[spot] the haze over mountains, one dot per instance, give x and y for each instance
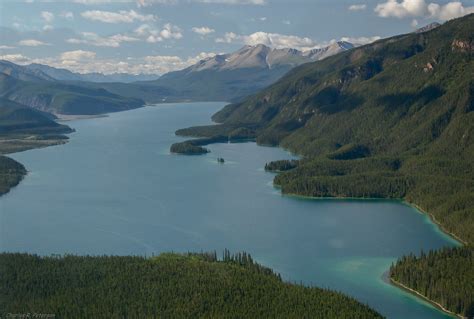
(225, 77)
(262, 56)
(66, 75)
(230, 77)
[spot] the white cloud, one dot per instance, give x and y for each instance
(47, 16)
(31, 43)
(116, 17)
(68, 15)
(360, 40)
(449, 11)
(6, 47)
(154, 35)
(405, 8)
(275, 40)
(86, 62)
(281, 41)
(94, 39)
(203, 30)
(414, 23)
(15, 58)
(171, 32)
(78, 55)
(419, 8)
(357, 7)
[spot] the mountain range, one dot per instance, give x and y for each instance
(230, 77)
(225, 77)
(66, 75)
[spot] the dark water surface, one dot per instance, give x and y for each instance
(115, 189)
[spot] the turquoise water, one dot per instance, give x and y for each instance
(115, 189)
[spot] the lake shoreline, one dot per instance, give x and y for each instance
(423, 297)
(401, 200)
(386, 275)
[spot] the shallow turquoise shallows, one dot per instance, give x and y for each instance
(115, 189)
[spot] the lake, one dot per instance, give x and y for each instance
(116, 189)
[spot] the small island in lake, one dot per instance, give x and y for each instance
(195, 146)
(188, 149)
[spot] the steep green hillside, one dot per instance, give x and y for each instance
(437, 272)
(19, 119)
(61, 98)
(168, 286)
(392, 119)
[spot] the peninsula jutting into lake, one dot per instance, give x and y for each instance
(335, 182)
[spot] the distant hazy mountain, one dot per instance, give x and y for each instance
(225, 77)
(261, 56)
(229, 77)
(66, 75)
(22, 73)
(35, 89)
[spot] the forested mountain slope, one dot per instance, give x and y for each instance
(167, 286)
(445, 276)
(391, 119)
(19, 119)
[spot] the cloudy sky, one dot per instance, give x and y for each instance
(157, 36)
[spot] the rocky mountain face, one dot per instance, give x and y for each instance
(232, 76)
(264, 57)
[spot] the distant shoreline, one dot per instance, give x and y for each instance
(66, 117)
(401, 200)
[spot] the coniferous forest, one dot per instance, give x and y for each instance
(167, 286)
(11, 173)
(445, 276)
